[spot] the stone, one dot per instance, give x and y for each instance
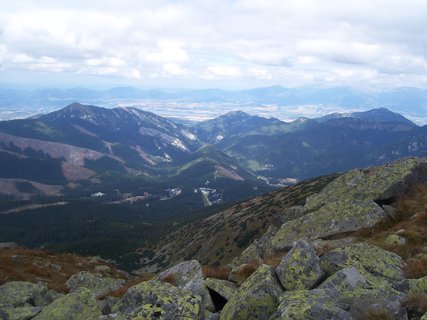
(98, 285)
(424, 317)
(22, 294)
(309, 305)
(102, 268)
(256, 298)
(300, 267)
(77, 305)
(159, 300)
(224, 288)
(378, 263)
(394, 240)
(188, 275)
(417, 285)
(19, 313)
(391, 211)
(347, 279)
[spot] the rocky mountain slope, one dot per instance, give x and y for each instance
(356, 249)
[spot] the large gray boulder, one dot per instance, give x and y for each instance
(95, 283)
(309, 305)
(158, 300)
(256, 298)
(300, 267)
(224, 288)
(188, 275)
(74, 306)
(22, 294)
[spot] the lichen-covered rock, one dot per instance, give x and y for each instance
(97, 284)
(377, 183)
(332, 218)
(379, 263)
(211, 316)
(188, 275)
(348, 279)
(256, 298)
(159, 300)
(22, 294)
(347, 203)
(19, 313)
(224, 288)
(394, 240)
(424, 317)
(357, 302)
(74, 306)
(300, 267)
(417, 285)
(309, 305)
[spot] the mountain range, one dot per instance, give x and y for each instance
(86, 148)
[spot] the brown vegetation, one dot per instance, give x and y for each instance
(217, 273)
(377, 313)
(22, 264)
(249, 268)
(416, 304)
(169, 278)
(416, 268)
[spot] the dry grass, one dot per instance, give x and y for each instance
(416, 268)
(273, 260)
(169, 278)
(217, 273)
(416, 304)
(22, 264)
(249, 268)
(324, 248)
(377, 313)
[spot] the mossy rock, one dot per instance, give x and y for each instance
(256, 298)
(19, 313)
(418, 285)
(188, 275)
(224, 288)
(22, 294)
(374, 263)
(94, 282)
(309, 305)
(300, 267)
(424, 317)
(74, 306)
(159, 300)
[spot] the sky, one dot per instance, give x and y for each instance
(214, 43)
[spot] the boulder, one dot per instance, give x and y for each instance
(378, 263)
(19, 313)
(300, 267)
(424, 317)
(159, 300)
(22, 294)
(95, 283)
(77, 305)
(188, 275)
(256, 298)
(347, 279)
(224, 288)
(309, 305)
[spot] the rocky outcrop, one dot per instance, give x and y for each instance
(224, 288)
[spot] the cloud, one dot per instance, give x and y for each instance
(286, 42)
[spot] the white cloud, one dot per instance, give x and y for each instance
(277, 41)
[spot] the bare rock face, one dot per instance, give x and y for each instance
(300, 268)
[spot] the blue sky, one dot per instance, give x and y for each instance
(226, 44)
